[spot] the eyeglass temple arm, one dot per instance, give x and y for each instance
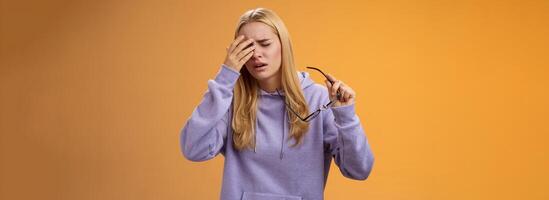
(311, 115)
(338, 96)
(314, 68)
(290, 108)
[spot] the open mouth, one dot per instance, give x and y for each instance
(260, 65)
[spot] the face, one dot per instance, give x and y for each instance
(266, 60)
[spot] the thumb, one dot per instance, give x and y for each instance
(331, 78)
(329, 85)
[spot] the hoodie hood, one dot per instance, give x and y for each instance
(304, 79)
(305, 82)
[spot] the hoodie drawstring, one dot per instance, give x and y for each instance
(305, 82)
(255, 137)
(283, 133)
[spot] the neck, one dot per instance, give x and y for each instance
(271, 84)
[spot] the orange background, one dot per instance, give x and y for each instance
(452, 94)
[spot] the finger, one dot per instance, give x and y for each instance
(331, 78)
(235, 42)
(349, 95)
(331, 90)
(245, 52)
(352, 93)
(335, 88)
(343, 93)
(329, 86)
(242, 45)
(246, 58)
(343, 90)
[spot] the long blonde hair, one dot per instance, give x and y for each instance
(246, 91)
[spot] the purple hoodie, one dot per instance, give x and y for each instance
(275, 169)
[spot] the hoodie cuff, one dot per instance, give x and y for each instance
(227, 75)
(344, 114)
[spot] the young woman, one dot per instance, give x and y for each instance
(260, 113)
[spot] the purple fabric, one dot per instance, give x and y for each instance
(275, 169)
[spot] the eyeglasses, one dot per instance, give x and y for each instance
(321, 108)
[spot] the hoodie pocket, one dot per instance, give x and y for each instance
(268, 196)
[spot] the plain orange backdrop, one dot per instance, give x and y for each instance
(453, 95)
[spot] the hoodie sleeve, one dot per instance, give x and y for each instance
(344, 138)
(205, 132)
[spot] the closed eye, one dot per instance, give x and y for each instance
(264, 42)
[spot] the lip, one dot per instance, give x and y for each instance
(260, 65)
(262, 68)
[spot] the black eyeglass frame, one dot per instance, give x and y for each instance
(322, 108)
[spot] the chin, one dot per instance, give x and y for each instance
(260, 75)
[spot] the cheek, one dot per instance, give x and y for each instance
(275, 54)
(249, 66)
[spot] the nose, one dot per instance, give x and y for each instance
(257, 53)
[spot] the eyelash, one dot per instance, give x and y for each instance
(265, 44)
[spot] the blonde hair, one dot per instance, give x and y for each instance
(246, 91)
